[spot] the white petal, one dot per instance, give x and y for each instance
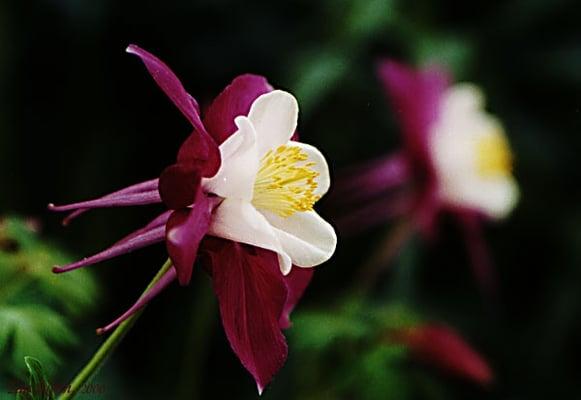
(239, 221)
(320, 166)
(463, 98)
(307, 238)
(274, 116)
(455, 146)
(237, 173)
(495, 198)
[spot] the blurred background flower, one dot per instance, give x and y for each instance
(77, 119)
(454, 158)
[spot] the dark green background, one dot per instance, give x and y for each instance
(79, 118)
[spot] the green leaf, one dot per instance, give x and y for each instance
(366, 17)
(454, 52)
(319, 72)
(319, 330)
(33, 329)
(394, 316)
(39, 388)
(30, 260)
(355, 338)
(381, 373)
(36, 306)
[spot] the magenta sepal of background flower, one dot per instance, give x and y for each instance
(478, 251)
(377, 188)
(415, 97)
(444, 348)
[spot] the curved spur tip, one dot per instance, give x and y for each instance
(57, 269)
(131, 49)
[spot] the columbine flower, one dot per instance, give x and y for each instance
(455, 158)
(240, 196)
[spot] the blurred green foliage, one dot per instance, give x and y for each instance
(348, 352)
(39, 387)
(36, 306)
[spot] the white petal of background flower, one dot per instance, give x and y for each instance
(274, 116)
(463, 98)
(495, 198)
(455, 138)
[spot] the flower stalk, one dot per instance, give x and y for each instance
(99, 358)
(378, 262)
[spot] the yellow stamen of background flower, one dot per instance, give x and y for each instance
(494, 157)
(285, 182)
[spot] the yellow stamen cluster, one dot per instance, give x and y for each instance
(494, 157)
(285, 182)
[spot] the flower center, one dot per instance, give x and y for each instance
(493, 155)
(285, 182)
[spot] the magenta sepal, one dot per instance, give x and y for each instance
(122, 200)
(251, 294)
(164, 281)
(158, 221)
(170, 84)
(178, 185)
(205, 154)
(233, 101)
(184, 231)
(296, 283)
(136, 188)
(134, 241)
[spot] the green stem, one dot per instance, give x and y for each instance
(109, 345)
(382, 257)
